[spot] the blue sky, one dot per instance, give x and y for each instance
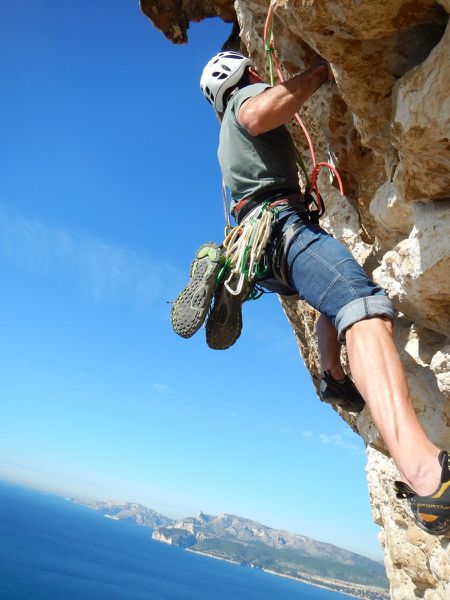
(109, 182)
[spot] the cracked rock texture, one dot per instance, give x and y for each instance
(386, 123)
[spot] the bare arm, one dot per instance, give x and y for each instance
(277, 105)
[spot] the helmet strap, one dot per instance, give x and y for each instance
(231, 95)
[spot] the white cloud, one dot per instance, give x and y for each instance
(336, 440)
(105, 271)
(283, 430)
(162, 388)
(333, 440)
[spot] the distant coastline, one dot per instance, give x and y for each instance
(241, 541)
(66, 552)
(336, 586)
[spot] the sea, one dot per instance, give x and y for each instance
(53, 549)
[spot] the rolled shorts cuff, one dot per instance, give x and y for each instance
(360, 309)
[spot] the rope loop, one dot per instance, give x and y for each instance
(245, 246)
(311, 181)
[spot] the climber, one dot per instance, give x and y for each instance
(257, 159)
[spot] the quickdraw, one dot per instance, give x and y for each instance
(244, 248)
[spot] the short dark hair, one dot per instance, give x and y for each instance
(243, 82)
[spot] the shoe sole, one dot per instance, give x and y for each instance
(191, 306)
(344, 404)
(224, 324)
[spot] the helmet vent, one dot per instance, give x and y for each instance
(219, 75)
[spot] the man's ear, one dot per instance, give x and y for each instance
(254, 76)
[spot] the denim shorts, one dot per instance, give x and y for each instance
(324, 273)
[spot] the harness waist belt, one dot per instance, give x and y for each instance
(248, 204)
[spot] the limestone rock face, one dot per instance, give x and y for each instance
(172, 17)
(421, 127)
(385, 123)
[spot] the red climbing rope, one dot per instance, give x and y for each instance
(311, 181)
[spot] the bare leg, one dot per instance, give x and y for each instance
(379, 376)
(329, 348)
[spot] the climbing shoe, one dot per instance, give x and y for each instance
(191, 306)
(431, 513)
(341, 393)
(224, 324)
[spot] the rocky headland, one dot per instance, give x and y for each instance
(127, 511)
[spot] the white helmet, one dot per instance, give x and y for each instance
(221, 74)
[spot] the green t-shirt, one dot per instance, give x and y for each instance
(251, 164)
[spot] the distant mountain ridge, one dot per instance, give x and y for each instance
(241, 540)
(245, 530)
(127, 510)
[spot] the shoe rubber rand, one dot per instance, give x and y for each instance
(431, 513)
(341, 393)
(191, 306)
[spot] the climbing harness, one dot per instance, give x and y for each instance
(312, 194)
